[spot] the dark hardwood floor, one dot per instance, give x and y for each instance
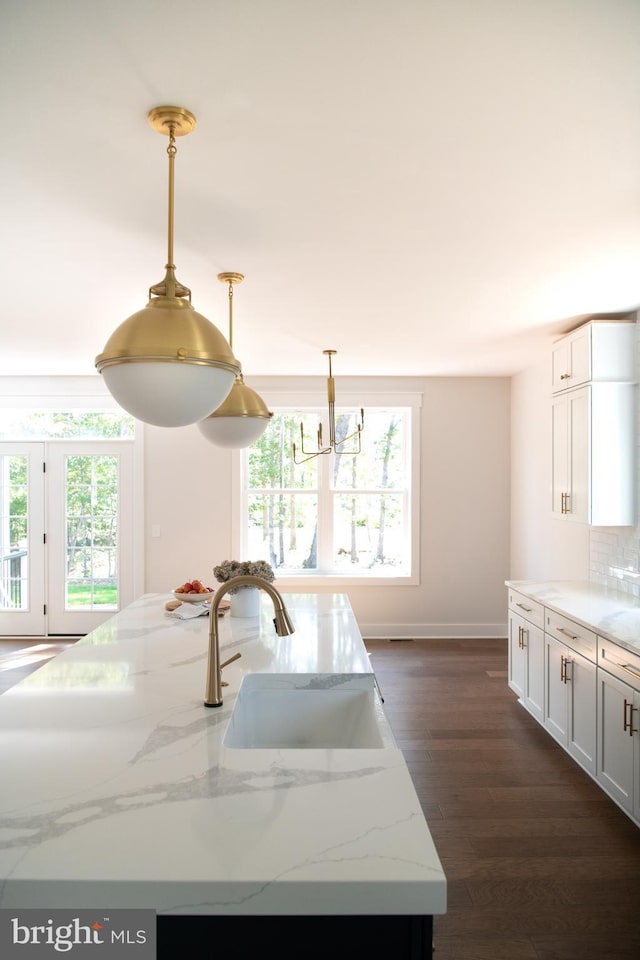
(20, 656)
(540, 864)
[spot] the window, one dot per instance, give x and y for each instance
(71, 497)
(334, 516)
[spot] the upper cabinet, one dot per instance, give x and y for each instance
(593, 424)
(600, 350)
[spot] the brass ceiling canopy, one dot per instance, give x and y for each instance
(243, 417)
(167, 364)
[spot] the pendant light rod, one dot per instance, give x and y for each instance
(334, 444)
(230, 278)
(172, 122)
(171, 153)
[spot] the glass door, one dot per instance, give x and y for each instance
(22, 536)
(90, 533)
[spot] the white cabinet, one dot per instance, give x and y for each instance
(581, 687)
(600, 350)
(592, 423)
(570, 687)
(618, 729)
(526, 652)
(593, 454)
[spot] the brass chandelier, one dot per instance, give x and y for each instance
(243, 417)
(167, 364)
(334, 444)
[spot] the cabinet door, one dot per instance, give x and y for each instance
(571, 360)
(555, 696)
(635, 723)
(577, 503)
(534, 676)
(559, 456)
(616, 747)
(581, 710)
(517, 655)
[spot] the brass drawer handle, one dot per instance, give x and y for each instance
(522, 607)
(626, 667)
(565, 376)
(566, 633)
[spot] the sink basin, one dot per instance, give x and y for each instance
(305, 712)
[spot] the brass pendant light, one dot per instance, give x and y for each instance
(334, 444)
(243, 417)
(167, 364)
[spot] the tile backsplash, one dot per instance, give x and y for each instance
(614, 552)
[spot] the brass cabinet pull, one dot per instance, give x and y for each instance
(521, 633)
(565, 376)
(628, 724)
(566, 633)
(564, 663)
(522, 607)
(564, 503)
(563, 669)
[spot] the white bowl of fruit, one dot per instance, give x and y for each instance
(193, 591)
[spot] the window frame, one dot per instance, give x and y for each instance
(305, 402)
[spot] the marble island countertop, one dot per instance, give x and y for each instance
(614, 616)
(116, 787)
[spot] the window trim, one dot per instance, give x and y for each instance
(303, 401)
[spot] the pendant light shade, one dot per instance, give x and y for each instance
(167, 364)
(243, 417)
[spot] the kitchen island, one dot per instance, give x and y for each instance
(118, 790)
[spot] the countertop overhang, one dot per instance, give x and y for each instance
(116, 788)
(611, 614)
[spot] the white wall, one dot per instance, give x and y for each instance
(464, 523)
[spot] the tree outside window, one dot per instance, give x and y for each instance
(334, 515)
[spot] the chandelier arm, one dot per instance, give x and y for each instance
(311, 453)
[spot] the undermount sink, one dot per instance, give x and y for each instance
(305, 712)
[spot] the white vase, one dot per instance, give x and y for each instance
(245, 602)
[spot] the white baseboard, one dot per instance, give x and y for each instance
(433, 631)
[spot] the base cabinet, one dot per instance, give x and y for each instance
(570, 701)
(582, 688)
(619, 727)
(526, 653)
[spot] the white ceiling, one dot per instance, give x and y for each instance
(426, 186)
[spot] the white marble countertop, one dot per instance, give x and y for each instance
(614, 616)
(116, 788)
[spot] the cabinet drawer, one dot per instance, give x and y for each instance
(531, 610)
(573, 634)
(622, 663)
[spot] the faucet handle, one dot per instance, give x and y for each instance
(226, 663)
